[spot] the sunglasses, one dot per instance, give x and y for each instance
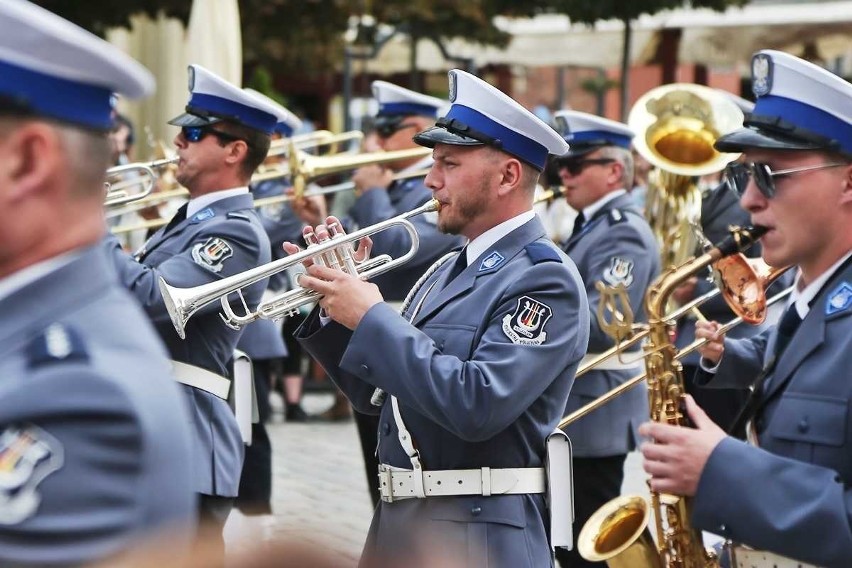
(736, 176)
(576, 167)
(388, 130)
(197, 133)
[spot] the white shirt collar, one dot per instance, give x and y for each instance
(30, 274)
(484, 241)
(199, 203)
(804, 297)
(589, 212)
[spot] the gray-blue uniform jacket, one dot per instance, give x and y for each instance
(615, 246)
(792, 495)
(93, 436)
(401, 197)
(470, 395)
(221, 240)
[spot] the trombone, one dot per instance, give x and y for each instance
(742, 283)
(145, 178)
(336, 252)
(282, 146)
(745, 314)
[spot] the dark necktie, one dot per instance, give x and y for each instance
(180, 215)
(459, 265)
(786, 328)
(579, 221)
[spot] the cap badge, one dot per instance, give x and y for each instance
(191, 78)
(453, 87)
(761, 74)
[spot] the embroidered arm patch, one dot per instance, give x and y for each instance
(526, 325)
(212, 253)
(28, 454)
(619, 271)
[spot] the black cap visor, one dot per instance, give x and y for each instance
(753, 137)
(580, 149)
(190, 118)
(440, 135)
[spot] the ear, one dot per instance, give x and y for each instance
(846, 181)
(616, 173)
(30, 159)
(511, 172)
(237, 151)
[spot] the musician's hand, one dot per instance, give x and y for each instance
(310, 209)
(370, 177)
(685, 292)
(715, 348)
(345, 298)
(676, 455)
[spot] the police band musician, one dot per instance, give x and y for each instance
(612, 244)
(787, 492)
(93, 438)
(224, 136)
(478, 366)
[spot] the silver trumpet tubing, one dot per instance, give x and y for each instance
(144, 177)
(336, 252)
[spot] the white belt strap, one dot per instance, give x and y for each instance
(745, 557)
(396, 484)
(202, 379)
(407, 443)
(626, 362)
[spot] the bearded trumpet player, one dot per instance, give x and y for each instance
(789, 497)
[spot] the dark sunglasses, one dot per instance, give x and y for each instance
(388, 130)
(575, 167)
(736, 176)
(197, 133)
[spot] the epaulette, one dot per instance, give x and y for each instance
(541, 252)
(235, 215)
(615, 216)
(58, 343)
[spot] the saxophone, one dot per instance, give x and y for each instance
(618, 532)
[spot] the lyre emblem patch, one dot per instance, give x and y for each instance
(620, 271)
(526, 325)
(212, 253)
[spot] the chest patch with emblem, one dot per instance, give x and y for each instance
(212, 253)
(619, 271)
(28, 454)
(526, 325)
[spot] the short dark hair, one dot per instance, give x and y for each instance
(258, 145)
(121, 120)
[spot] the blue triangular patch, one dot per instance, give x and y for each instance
(840, 299)
(492, 261)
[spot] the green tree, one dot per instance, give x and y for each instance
(591, 11)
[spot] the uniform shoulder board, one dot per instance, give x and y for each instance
(616, 216)
(235, 215)
(541, 252)
(58, 343)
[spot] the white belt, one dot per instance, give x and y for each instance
(629, 361)
(203, 379)
(745, 557)
(395, 483)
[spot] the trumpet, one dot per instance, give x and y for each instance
(145, 178)
(336, 252)
(282, 146)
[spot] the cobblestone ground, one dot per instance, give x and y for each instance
(320, 490)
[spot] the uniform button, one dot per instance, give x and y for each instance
(723, 529)
(803, 425)
(365, 369)
(386, 428)
(476, 510)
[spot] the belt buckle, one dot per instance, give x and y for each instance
(385, 483)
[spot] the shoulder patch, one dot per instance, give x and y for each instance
(212, 253)
(525, 326)
(241, 216)
(542, 252)
(203, 215)
(839, 300)
(28, 454)
(615, 216)
(619, 271)
(57, 343)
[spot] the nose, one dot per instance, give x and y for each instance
(179, 140)
(431, 181)
(752, 199)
